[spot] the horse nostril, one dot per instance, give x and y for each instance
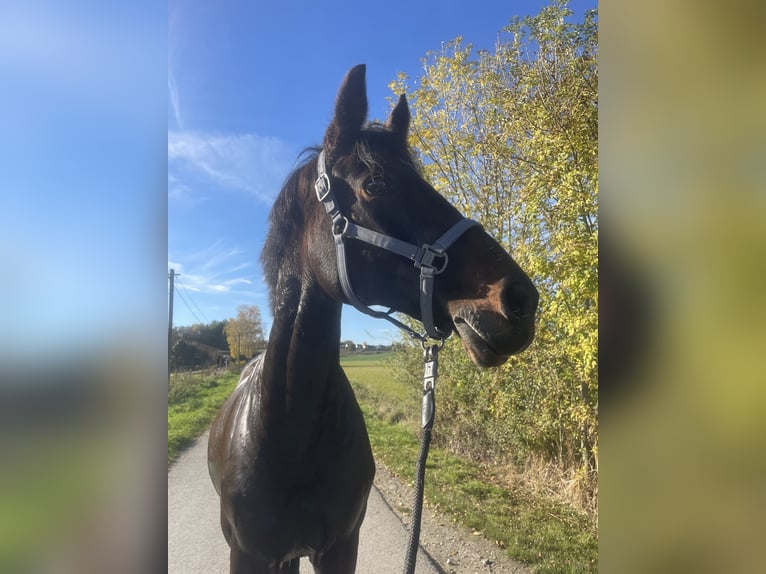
(518, 298)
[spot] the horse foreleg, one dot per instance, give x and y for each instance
(241, 562)
(340, 558)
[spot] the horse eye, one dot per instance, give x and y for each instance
(376, 187)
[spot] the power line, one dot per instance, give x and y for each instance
(183, 298)
(192, 300)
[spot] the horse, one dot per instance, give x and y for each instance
(288, 452)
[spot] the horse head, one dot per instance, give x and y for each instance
(478, 290)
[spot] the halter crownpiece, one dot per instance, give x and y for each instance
(431, 259)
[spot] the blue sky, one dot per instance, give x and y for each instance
(251, 84)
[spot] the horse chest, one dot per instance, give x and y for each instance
(281, 499)
(282, 513)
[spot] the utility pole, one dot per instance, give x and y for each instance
(171, 276)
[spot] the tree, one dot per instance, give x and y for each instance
(198, 345)
(245, 333)
(510, 137)
(212, 334)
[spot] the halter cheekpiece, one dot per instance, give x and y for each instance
(431, 259)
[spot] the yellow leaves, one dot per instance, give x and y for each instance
(245, 333)
(509, 136)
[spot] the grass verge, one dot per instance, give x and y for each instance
(193, 401)
(552, 538)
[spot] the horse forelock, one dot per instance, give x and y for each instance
(375, 138)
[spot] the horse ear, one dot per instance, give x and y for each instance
(350, 110)
(399, 120)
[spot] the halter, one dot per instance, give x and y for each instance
(431, 259)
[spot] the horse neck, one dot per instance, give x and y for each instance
(301, 357)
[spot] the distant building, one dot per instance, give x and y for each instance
(347, 347)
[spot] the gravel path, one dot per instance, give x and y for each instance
(455, 548)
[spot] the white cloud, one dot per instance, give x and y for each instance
(241, 162)
(184, 193)
(215, 269)
(226, 286)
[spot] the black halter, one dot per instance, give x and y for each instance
(430, 259)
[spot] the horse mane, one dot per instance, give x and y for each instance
(286, 222)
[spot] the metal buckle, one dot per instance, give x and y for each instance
(322, 186)
(426, 256)
(339, 225)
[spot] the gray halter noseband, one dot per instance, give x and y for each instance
(430, 259)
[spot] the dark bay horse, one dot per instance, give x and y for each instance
(288, 452)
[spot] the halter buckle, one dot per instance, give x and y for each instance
(339, 225)
(322, 186)
(425, 258)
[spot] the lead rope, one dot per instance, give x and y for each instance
(430, 361)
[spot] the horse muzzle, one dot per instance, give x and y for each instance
(498, 326)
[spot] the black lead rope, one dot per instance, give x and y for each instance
(431, 362)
